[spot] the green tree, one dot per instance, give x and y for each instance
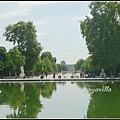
(87, 65)
(78, 64)
(2, 57)
(24, 35)
(54, 59)
(47, 65)
(102, 33)
(48, 55)
(64, 67)
(14, 60)
(40, 66)
(54, 67)
(59, 67)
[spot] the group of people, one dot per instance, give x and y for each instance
(88, 75)
(42, 76)
(82, 75)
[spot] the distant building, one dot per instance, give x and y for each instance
(70, 67)
(63, 62)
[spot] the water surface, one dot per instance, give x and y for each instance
(69, 99)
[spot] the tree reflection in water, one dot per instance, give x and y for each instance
(104, 104)
(25, 99)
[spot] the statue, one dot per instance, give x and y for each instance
(22, 74)
(102, 74)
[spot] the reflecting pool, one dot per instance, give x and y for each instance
(65, 99)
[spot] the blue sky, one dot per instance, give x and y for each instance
(56, 22)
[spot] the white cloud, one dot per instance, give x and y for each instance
(22, 9)
(14, 13)
(33, 3)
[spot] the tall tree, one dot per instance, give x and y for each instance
(47, 65)
(102, 33)
(24, 35)
(47, 56)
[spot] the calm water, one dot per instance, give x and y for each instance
(60, 100)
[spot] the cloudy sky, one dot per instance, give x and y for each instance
(56, 22)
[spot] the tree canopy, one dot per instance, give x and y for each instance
(14, 60)
(24, 35)
(78, 64)
(102, 34)
(49, 62)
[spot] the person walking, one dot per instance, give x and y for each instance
(46, 74)
(53, 75)
(81, 74)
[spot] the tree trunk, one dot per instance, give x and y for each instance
(114, 72)
(9, 73)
